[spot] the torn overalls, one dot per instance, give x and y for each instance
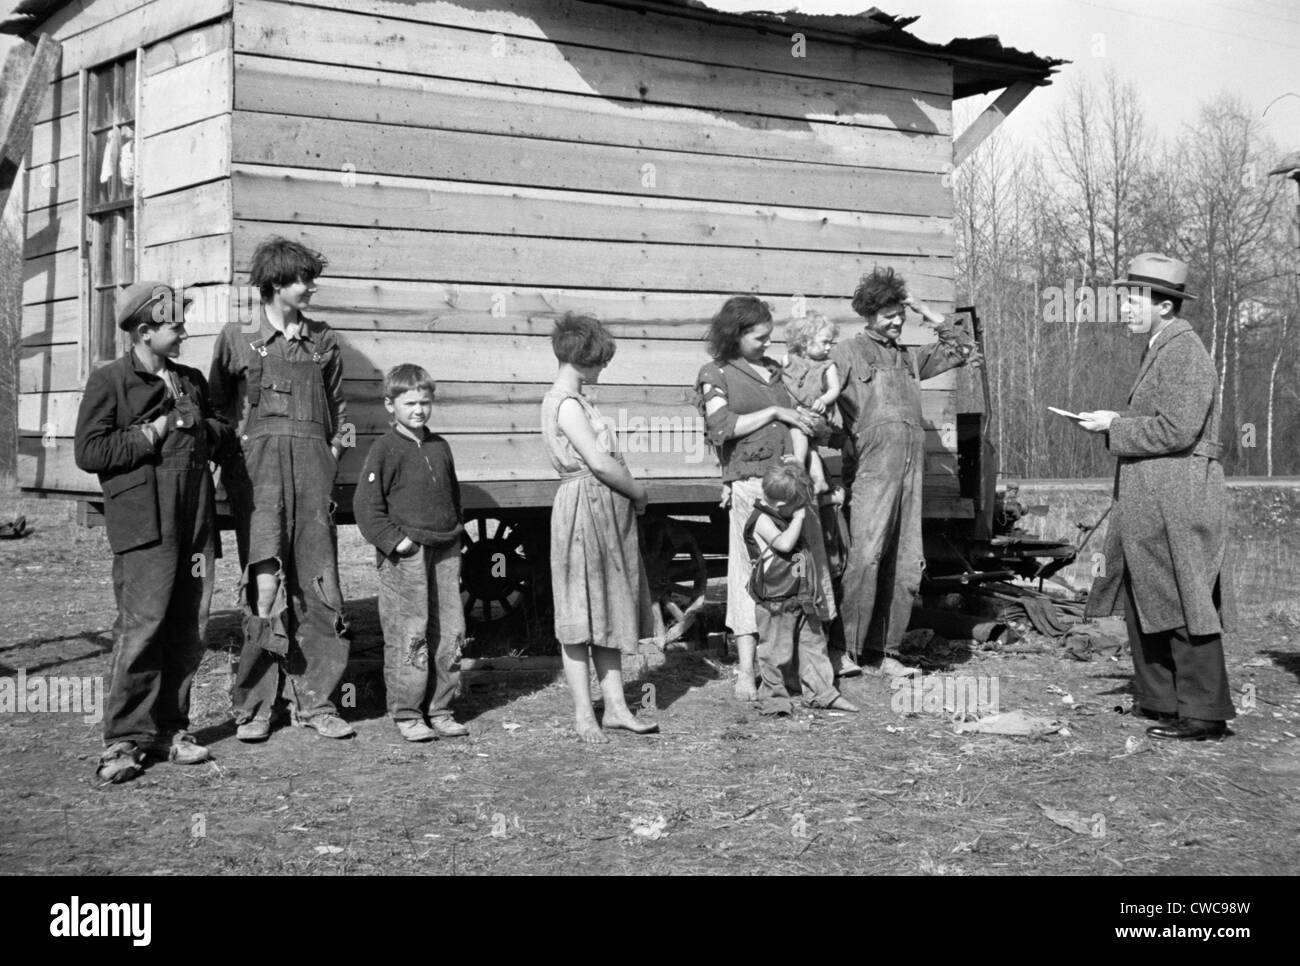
(292, 414)
(884, 468)
(158, 509)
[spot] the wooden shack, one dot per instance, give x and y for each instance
(474, 167)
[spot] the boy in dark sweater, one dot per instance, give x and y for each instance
(147, 428)
(407, 503)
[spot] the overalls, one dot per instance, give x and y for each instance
(887, 469)
(291, 521)
(161, 589)
(792, 643)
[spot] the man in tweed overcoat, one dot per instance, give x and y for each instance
(1167, 541)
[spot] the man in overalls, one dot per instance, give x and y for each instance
(884, 464)
(291, 429)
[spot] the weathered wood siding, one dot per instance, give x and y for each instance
(473, 168)
(182, 178)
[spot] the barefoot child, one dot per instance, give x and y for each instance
(601, 597)
(407, 504)
(288, 371)
(814, 383)
(791, 601)
(147, 428)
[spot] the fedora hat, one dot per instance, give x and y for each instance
(1159, 273)
(139, 295)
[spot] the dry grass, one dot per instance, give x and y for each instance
(720, 790)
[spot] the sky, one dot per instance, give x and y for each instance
(1177, 53)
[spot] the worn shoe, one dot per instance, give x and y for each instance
(843, 665)
(890, 667)
(1190, 729)
(328, 725)
(180, 749)
(448, 727)
(186, 751)
(120, 763)
(413, 729)
(254, 729)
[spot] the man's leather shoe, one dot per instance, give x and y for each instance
(1190, 729)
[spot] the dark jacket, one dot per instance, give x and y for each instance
(408, 489)
(120, 398)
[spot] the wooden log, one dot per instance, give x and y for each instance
(187, 46)
(51, 230)
(51, 277)
(185, 156)
(192, 261)
(493, 259)
(341, 37)
(55, 140)
(45, 323)
(54, 184)
(195, 90)
(188, 213)
(309, 89)
(47, 463)
(141, 26)
(352, 147)
(642, 418)
(305, 196)
(60, 99)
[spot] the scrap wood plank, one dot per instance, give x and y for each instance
(17, 132)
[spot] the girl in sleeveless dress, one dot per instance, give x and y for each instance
(601, 597)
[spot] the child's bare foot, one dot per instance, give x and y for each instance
(627, 722)
(843, 704)
(589, 731)
(745, 689)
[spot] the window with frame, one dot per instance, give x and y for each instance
(109, 198)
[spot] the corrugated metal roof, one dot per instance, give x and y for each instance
(980, 64)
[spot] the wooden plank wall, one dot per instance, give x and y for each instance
(183, 177)
(473, 168)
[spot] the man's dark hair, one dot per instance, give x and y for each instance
(875, 291)
(738, 313)
(280, 262)
(580, 340)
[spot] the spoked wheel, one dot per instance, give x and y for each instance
(495, 569)
(677, 574)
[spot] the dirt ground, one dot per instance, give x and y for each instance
(719, 790)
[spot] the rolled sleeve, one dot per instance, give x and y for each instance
(954, 348)
(719, 425)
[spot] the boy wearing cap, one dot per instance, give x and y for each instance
(147, 428)
(1166, 548)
